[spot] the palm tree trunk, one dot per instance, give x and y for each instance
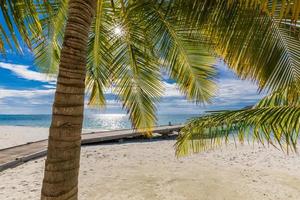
(62, 163)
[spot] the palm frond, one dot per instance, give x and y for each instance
(136, 73)
(286, 9)
(6, 12)
(100, 58)
(279, 125)
(256, 45)
(259, 49)
(285, 97)
(271, 59)
(4, 38)
(47, 47)
(21, 21)
(189, 63)
(196, 12)
(273, 120)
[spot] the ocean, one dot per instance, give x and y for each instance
(91, 121)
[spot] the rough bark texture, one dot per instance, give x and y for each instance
(62, 163)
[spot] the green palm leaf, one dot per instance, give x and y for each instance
(47, 47)
(136, 73)
(268, 55)
(189, 63)
(273, 125)
(255, 44)
(100, 58)
(20, 17)
(285, 97)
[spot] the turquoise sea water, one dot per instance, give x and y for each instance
(92, 121)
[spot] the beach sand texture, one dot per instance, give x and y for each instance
(149, 170)
(17, 135)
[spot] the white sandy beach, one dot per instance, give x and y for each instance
(16, 135)
(148, 170)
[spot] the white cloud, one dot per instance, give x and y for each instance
(237, 89)
(232, 94)
(14, 101)
(10, 97)
(227, 89)
(23, 71)
(171, 89)
(4, 93)
(49, 86)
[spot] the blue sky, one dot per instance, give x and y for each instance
(24, 90)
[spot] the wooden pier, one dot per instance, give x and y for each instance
(14, 156)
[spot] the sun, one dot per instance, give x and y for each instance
(118, 31)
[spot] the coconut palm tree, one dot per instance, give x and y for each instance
(125, 44)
